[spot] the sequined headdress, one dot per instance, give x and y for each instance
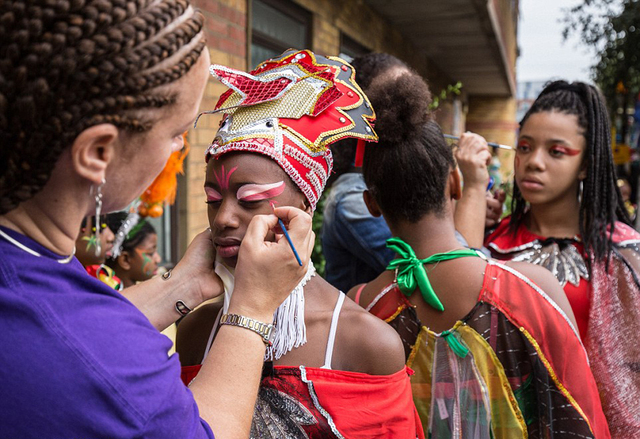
(291, 108)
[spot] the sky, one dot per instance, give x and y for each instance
(543, 53)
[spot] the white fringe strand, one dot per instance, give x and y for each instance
(288, 320)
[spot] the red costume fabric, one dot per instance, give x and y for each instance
(503, 371)
(316, 403)
(612, 296)
(500, 241)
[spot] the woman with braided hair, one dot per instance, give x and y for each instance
(494, 347)
(94, 97)
(568, 216)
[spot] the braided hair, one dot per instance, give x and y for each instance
(66, 65)
(601, 202)
(407, 170)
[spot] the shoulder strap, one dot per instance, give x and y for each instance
(328, 355)
(358, 293)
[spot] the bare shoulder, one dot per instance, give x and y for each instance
(374, 347)
(370, 290)
(547, 282)
(193, 333)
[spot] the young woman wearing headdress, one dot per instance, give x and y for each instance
(495, 350)
(568, 216)
(324, 375)
(94, 97)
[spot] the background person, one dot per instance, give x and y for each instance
(495, 353)
(354, 241)
(568, 216)
(134, 257)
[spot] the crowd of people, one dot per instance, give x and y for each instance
(439, 317)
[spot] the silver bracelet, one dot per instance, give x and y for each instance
(180, 306)
(264, 330)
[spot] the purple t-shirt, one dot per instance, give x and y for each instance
(79, 361)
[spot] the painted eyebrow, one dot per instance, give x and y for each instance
(212, 194)
(257, 192)
(224, 177)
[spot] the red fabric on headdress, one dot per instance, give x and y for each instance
(291, 108)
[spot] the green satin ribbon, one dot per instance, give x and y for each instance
(455, 344)
(411, 272)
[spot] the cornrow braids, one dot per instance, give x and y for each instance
(66, 65)
(601, 204)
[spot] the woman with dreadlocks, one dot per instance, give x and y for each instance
(568, 216)
(94, 97)
(494, 347)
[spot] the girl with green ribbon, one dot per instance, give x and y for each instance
(477, 347)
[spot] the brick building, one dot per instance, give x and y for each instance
(446, 41)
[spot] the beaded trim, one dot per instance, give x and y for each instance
(316, 403)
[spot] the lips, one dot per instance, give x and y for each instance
(531, 184)
(227, 247)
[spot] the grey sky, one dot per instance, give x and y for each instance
(543, 53)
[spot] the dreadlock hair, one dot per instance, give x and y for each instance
(367, 68)
(66, 65)
(134, 238)
(601, 202)
(407, 171)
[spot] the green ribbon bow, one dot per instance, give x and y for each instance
(411, 272)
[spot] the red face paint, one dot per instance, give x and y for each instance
(223, 178)
(212, 194)
(258, 192)
(565, 150)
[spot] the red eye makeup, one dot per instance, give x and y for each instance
(212, 194)
(565, 150)
(258, 192)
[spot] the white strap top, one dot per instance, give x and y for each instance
(328, 355)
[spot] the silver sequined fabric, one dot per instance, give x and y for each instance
(613, 345)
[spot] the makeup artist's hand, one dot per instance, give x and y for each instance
(196, 268)
(495, 201)
(267, 272)
(473, 157)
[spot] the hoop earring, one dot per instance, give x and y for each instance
(97, 193)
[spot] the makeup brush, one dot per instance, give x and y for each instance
(286, 235)
(495, 145)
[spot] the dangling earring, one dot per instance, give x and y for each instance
(580, 189)
(98, 197)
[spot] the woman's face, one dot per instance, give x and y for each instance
(549, 158)
(144, 259)
(141, 157)
(239, 186)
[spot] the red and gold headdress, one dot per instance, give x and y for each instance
(291, 108)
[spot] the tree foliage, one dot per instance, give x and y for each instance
(613, 28)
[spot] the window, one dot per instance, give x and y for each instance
(276, 26)
(350, 49)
